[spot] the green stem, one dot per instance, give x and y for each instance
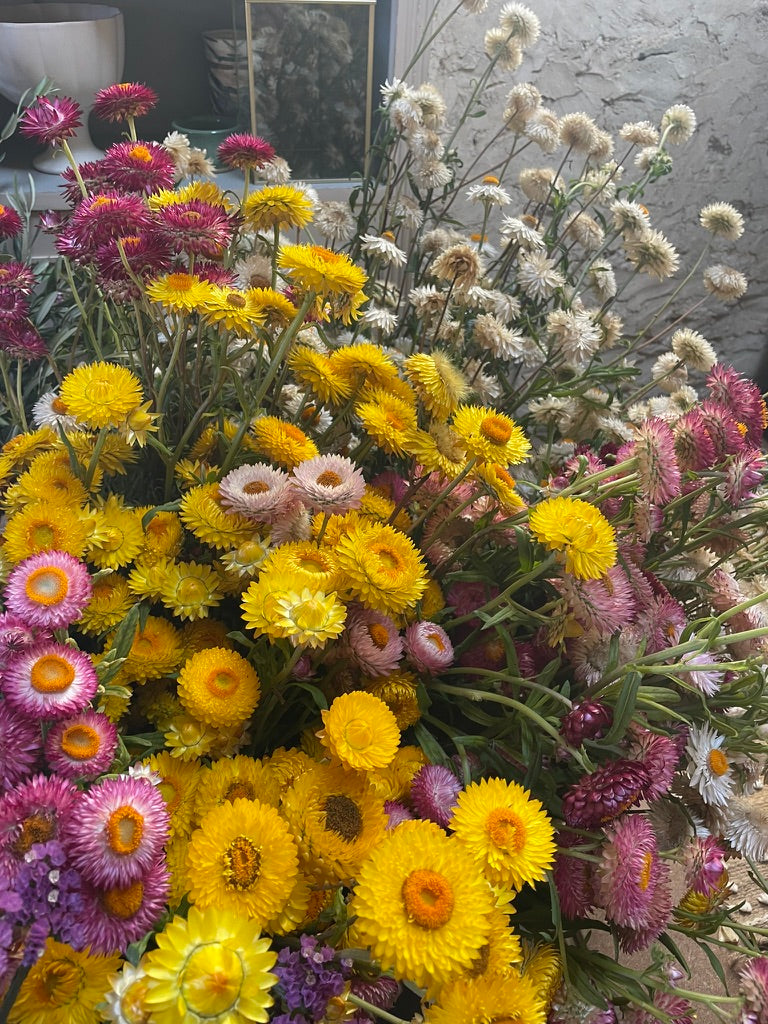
(92, 465)
(73, 164)
(20, 395)
(376, 1011)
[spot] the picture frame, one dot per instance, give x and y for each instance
(310, 80)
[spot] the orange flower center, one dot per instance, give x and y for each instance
(242, 864)
(102, 201)
(222, 683)
(80, 742)
(506, 829)
(240, 790)
(342, 816)
(59, 407)
(51, 674)
(387, 557)
(141, 153)
(293, 432)
(379, 634)
(645, 872)
(428, 898)
(47, 585)
(501, 474)
(329, 479)
(388, 235)
(236, 300)
(255, 487)
(490, 179)
(180, 282)
(124, 903)
(496, 429)
(436, 640)
(124, 828)
(58, 984)
(34, 829)
(718, 762)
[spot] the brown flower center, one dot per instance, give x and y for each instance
(328, 479)
(37, 828)
(236, 300)
(240, 789)
(255, 487)
(379, 634)
(342, 816)
(242, 864)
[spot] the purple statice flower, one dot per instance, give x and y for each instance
(310, 977)
(433, 793)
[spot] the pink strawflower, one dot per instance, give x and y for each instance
(381, 991)
(660, 622)
(215, 273)
(633, 940)
(373, 640)
(195, 228)
(629, 872)
(22, 341)
(724, 594)
(742, 397)
(257, 492)
(392, 484)
(434, 791)
(95, 179)
(723, 429)
(10, 222)
(744, 473)
(605, 793)
(37, 811)
(294, 524)
(753, 986)
(14, 274)
(396, 812)
(245, 152)
(657, 464)
(113, 917)
(16, 635)
(51, 119)
(106, 215)
(119, 831)
(329, 483)
(573, 877)
(83, 746)
(49, 681)
(589, 720)
(428, 646)
(124, 100)
(13, 306)
(145, 254)
(466, 597)
(139, 166)
(602, 605)
(658, 754)
(21, 745)
(49, 589)
(704, 860)
(693, 445)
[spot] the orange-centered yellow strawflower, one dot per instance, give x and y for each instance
(219, 687)
(382, 567)
(490, 436)
(63, 986)
(578, 530)
(320, 270)
(101, 394)
(360, 731)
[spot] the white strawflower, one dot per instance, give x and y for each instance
(602, 149)
(538, 276)
(679, 123)
(684, 399)
(640, 133)
(178, 148)
(275, 171)
(601, 182)
(709, 768)
(659, 406)
(522, 102)
(520, 21)
(404, 113)
(502, 342)
(575, 334)
(669, 372)
(483, 385)
(432, 174)
(722, 220)
(384, 248)
(540, 183)
(425, 144)
(500, 46)
(408, 211)
(503, 306)
(543, 128)
(630, 218)
(692, 349)
(653, 157)
(334, 220)
(578, 131)
(254, 271)
(427, 301)
(637, 412)
(474, 6)
(724, 283)
(746, 826)
(585, 230)
(489, 191)
(551, 409)
(602, 280)
(653, 254)
(384, 319)
(431, 104)
(514, 229)
(50, 411)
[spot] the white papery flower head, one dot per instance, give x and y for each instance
(520, 21)
(489, 191)
(640, 133)
(384, 248)
(723, 220)
(693, 349)
(679, 123)
(725, 283)
(710, 771)
(668, 372)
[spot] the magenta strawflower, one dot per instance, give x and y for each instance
(10, 222)
(659, 911)
(605, 793)
(13, 306)
(256, 491)
(629, 872)
(51, 119)
(723, 429)
(704, 860)
(215, 273)
(588, 720)
(95, 178)
(466, 597)
(372, 639)
(49, 681)
(744, 473)
(83, 746)
(245, 152)
(105, 215)
(693, 445)
(659, 756)
(16, 635)
(36, 812)
(329, 483)
(139, 166)
(753, 986)
(573, 877)
(434, 790)
(195, 228)
(742, 397)
(144, 253)
(124, 100)
(119, 831)
(396, 812)
(16, 275)
(22, 341)
(112, 917)
(428, 646)
(657, 464)
(21, 745)
(49, 589)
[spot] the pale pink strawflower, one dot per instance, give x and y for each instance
(693, 445)
(434, 791)
(744, 473)
(659, 756)
(660, 622)
(742, 397)
(257, 492)
(753, 986)
(633, 940)
(704, 860)
(329, 483)
(16, 636)
(49, 681)
(113, 917)
(81, 747)
(629, 872)
(723, 429)
(119, 831)
(573, 877)
(373, 641)
(428, 646)
(396, 813)
(657, 463)
(49, 589)
(603, 605)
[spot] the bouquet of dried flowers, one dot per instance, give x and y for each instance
(379, 636)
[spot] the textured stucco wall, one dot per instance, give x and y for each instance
(629, 61)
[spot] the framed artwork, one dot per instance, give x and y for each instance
(311, 77)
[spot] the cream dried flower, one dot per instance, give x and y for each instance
(683, 400)
(540, 183)
(177, 147)
(485, 386)
(459, 264)
(334, 220)
(576, 336)
(669, 372)
(384, 319)
(522, 103)
(725, 283)
(551, 409)
(538, 276)
(514, 229)
(543, 128)
(578, 131)
(678, 123)
(407, 210)
(254, 271)
(520, 21)
(693, 350)
(639, 133)
(425, 144)
(198, 164)
(503, 306)
(405, 113)
(427, 301)
(585, 230)
(602, 149)
(653, 254)
(600, 182)
(500, 46)
(602, 280)
(438, 239)
(432, 174)
(275, 171)
(630, 218)
(489, 191)
(432, 105)
(722, 220)
(502, 342)
(612, 327)
(653, 157)
(384, 248)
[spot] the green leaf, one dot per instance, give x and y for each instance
(625, 707)
(714, 959)
(171, 506)
(429, 744)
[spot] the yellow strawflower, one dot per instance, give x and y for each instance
(219, 687)
(101, 394)
(578, 530)
(63, 986)
(360, 731)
